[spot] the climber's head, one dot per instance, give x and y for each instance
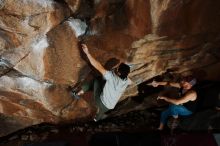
(123, 70)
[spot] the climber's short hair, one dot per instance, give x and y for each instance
(123, 70)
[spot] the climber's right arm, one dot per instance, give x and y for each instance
(93, 61)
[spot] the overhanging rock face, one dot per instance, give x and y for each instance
(40, 55)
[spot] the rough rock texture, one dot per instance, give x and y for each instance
(40, 56)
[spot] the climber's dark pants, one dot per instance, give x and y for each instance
(97, 87)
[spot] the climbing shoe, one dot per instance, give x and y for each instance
(74, 94)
